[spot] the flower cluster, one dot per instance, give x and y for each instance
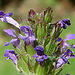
(38, 45)
(40, 56)
(64, 58)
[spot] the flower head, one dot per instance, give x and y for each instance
(29, 35)
(15, 41)
(64, 58)
(10, 54)
(64, 22)
(39, 56)
(4, 17)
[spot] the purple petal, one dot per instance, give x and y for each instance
(32, 39)
(26, 30)
(60, 63)
(39, 48)
(10, 54)
(40, 53)
(67, 74)
(69, 54)
(73, 46)
(7, 58)
(40, 59)
(67, 45)
(10, 14)
(13, 58)
(59, 39)
(7, 43)
(11, 21)
(10, 32)
(35, 55)
(6, 53)
(40, 56)
(65, 59)
(4, 17)
(65, 22)
(27, 41)
(15, 42)
(64, 26)
(45, 56)
(23, 37)
(70, 37)
(1, 13)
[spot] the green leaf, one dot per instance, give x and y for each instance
(53, 31)
(25, 58)
(35, 66)
(46, 48)
(59, 70)
(30, 51)
(48, 15)
(58, 73)
(22, 65)
(25, 22)
(47, 40)
(41, 33)
(50, 45)
(40, 70)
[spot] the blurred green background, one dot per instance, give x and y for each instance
(61, 9)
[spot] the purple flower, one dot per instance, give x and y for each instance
(4, 17)
(64, 58)
(15, 41)
(59, 39)
(29, 35)
(39, 56)
(67, 74)
(10, 54)
(64, 22)
(69, 37)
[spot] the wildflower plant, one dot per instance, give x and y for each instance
(38, 48)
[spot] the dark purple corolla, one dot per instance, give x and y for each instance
(39, 56)
(65, 22)
(64, 58)
(67, 74)
(10, 54)
(59, 39)
(15, 41)
(4, 17)
(29, 37)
